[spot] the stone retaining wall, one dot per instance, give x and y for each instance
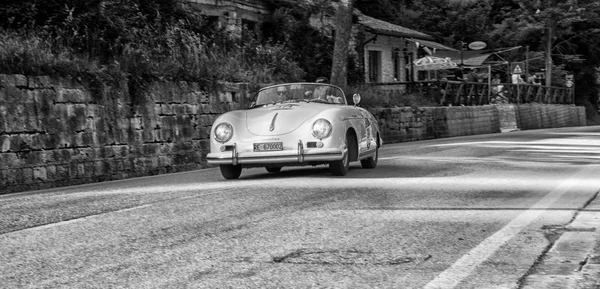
(538, 116)
(411, 124)
(58, 132)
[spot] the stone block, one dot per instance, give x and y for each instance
(33, 158)
(49, 141)
(16, 144)
(66, 154)
(62, 172)
(84, 139)
(203, 132)
(165, 135)
(26, 175)
(16, 118)
(73, 168)
(5, 143)
(35, 82)
(100, 168)
(208, 109)
(77, 119)
(66, 140)
(9, 160)
(40, 174)
(71, 95)
(166, 109)
(13, 80)
(3, 116)
(37, 141)
(11, 176)
(136, 123)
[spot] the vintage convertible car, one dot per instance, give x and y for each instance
(295, 124)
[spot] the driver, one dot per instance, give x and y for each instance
(281, 94)
(320, 92)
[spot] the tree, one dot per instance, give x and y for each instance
(562, 30)
(343, 25)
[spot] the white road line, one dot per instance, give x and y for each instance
(464, 266)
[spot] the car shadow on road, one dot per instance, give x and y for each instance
(357, 172)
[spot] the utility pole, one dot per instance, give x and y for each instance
(549, 24)
(550, 33)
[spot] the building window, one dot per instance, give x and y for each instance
(213, 21)
(374, 66)
(396, 60)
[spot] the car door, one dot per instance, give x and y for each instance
(369, 137)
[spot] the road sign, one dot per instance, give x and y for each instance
(517, 68)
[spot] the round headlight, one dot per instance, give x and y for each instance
(223, 132)
(321, 128)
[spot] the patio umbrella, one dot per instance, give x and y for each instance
(434, 63)
(429, 63)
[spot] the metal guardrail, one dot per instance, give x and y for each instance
(448, 92)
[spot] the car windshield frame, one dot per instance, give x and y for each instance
(300, 92)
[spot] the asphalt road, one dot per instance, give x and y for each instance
(471, 212)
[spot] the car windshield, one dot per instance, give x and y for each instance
(296, 92)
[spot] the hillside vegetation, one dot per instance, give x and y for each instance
(136, 39)
(161, 39)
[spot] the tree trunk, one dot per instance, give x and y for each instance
(550, 32)
(343, 30)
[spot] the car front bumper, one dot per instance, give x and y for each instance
(299, 156)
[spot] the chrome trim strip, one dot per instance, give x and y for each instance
(331, 155)
(272, 126)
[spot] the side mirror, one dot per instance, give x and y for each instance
(356, 98)
(252, 104)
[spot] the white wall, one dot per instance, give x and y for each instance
(386, 45)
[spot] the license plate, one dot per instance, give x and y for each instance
(268, 146)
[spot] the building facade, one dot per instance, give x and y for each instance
(232, 15)
(386, 50)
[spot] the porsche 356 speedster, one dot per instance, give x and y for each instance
(295, 124)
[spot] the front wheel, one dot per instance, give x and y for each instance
(371, 162)
(340, 168)
(230, 171)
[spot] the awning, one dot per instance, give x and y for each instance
(472, 57)
(431, 44)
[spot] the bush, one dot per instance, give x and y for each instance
(142, 40)
(33, 55)
(377, 97)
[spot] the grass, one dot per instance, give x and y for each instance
(178, 54)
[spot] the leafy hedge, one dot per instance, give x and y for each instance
(134, 38)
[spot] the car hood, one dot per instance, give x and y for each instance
(281, 118)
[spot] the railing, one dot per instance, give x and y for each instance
(447, 92)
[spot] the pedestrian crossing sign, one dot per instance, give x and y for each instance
(517, 67)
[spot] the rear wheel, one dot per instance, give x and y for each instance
(340, 168)
(273, 169)
(230, 171)
(371, 162)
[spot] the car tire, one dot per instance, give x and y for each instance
(371, 162)
(273, 169)
(340, 168)
(231, 172)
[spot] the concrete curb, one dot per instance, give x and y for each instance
(574, 259)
